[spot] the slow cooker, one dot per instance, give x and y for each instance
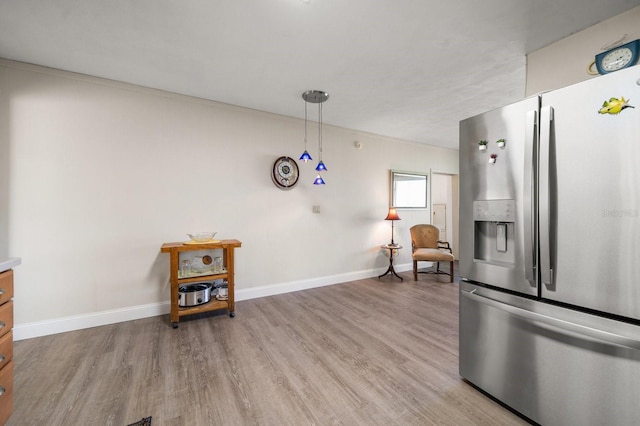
(194, 294)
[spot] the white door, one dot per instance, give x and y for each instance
(440, 219)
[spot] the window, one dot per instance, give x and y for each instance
(408, 190)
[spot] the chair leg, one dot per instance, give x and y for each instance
(451, 271)
(415, 270)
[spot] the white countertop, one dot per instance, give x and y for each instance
(6, 264)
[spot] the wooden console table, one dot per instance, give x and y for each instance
(174, 250)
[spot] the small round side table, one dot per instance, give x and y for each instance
(390, 270)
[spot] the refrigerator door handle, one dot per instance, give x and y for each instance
(593, 333)
(544, 201)
(529, 197)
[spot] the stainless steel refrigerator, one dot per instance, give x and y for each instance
(550, 253)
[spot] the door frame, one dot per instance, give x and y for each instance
(452, 205)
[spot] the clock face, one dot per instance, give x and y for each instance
(285, 173)
(616, 59)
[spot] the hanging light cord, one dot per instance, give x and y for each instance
(305, 126)
(320, 130)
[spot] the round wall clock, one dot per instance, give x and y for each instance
(618, 58)
(285, 173)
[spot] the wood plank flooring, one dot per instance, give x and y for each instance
(368, 352)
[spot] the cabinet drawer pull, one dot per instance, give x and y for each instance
(2, 390)
(2, 357)
(2, 291)
(2, 324)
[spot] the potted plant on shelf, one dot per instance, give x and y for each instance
(501, 143)
(492, 158)
(482, 145)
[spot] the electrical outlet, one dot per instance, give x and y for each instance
(316, 209)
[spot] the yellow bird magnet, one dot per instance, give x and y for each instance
(614, 106)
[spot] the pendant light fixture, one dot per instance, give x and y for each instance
(320, 167)
(315, 97)
(305, 157)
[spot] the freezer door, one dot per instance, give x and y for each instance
(497, 199)
(554, 365)
(590, 195)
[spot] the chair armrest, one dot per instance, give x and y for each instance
(445, 245)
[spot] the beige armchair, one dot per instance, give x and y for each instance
(425, 246)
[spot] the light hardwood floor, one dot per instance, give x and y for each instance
(368, 352)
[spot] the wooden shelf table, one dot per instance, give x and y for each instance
(174, 250)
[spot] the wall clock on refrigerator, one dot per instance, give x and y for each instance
(285, 173)
(618, 57)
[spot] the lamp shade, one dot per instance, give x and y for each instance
(392, 215)
(305, 156)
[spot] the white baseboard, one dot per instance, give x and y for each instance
(96, 319)
(270, 290)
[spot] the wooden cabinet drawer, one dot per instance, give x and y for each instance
(6, 392)
(6, 318)
(6, 349)
(6, 286)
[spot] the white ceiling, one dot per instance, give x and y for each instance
(408, 69)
